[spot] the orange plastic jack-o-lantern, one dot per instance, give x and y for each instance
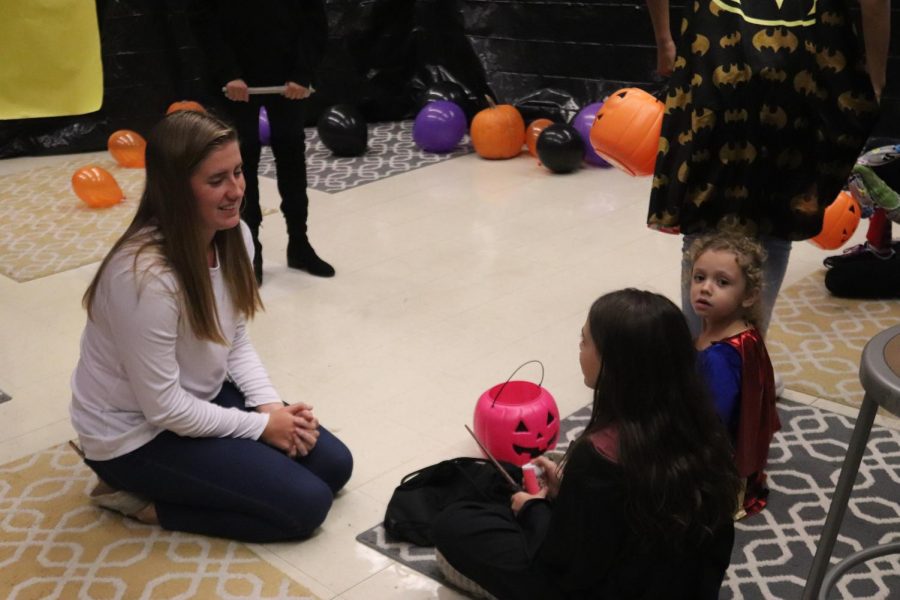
(498, 131)
(128, 148)
(185, 105)
(626, 131)
(96, 187)
(533, 132)
(841, 220)
(517, 421)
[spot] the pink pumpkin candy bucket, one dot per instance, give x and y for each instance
(517, 420)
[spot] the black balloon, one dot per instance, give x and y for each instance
(559, 148)
(451, 92)
(343, 130)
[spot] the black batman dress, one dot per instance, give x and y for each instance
(766, 112)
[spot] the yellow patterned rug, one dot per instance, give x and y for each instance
(816, 340)
(54, 544)
(47, 229)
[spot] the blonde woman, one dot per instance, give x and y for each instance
(173, 408)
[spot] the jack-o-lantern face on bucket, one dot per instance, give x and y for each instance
(517, 421)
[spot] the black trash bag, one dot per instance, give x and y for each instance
(547, 103)
(437, 83)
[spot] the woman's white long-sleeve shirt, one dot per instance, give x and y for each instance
(142, 370)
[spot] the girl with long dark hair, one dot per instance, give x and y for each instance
(642, 503)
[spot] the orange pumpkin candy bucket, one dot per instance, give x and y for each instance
(627, 129)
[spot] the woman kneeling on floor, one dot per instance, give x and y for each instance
(173, 408)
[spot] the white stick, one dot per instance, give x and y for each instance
(270, 89)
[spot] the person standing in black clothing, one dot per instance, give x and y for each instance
(270, 43)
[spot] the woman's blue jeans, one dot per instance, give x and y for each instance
(233, 488)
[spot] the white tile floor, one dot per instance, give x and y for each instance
(448, 278)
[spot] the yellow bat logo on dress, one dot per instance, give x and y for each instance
(772, 74)
(737, 193)
(805, 83)
(731, 39)
(779, 39)
(696, 80)
(663, 145)
(858, 103)
(685, 136)
(678, 98)
(680, 63)
(660, 181)
(700, 45)
(701, 194)
(732, 74)
(737, 151)
(702, 119)
(831, 59)
(736, 115)
(683, 171)
(773, 115)
(830, 18)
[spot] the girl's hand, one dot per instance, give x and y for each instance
(550, 478)
(289, 430)
(519, 499)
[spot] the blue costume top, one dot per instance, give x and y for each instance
(721, 366)
(739, 376)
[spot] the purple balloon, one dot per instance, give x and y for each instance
(265, 134)
(439, 126)
(582, 123)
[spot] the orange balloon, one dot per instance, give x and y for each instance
(532, 133)
(185, 105)
(127, 147)
(96, 187)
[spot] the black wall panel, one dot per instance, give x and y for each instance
(381, 55)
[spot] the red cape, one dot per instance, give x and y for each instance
(758, 420)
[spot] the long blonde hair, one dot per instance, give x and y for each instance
(168, 222)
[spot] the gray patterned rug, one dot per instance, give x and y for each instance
(391, 151)
(773, 550)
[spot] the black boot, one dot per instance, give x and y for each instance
(300, 255)
(257, 258)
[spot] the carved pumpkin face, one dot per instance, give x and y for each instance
(626, 131)
(498, 132)
(841, 220)
(517, 421)
(185, 105)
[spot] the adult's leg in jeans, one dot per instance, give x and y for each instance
(778, 253)
(330, 459)
(690, 316)
(484, 542)
(233, 488)
(225, 487)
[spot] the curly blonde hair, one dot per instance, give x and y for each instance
(749, 256)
